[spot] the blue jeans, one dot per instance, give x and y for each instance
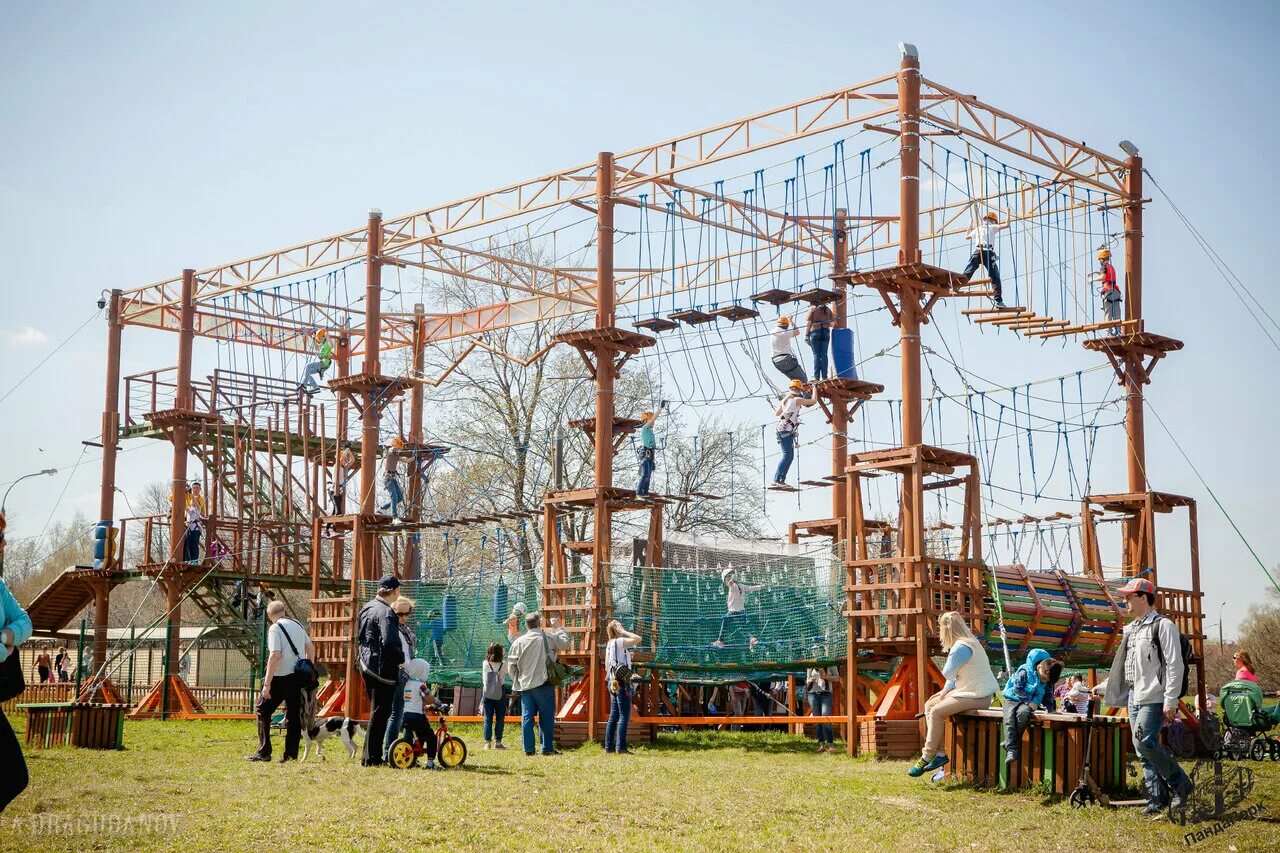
(394, 494)
(986, 258)
(540, 701)
(396, 721)
(819, 341)
(495, 718)
(821, 704)
(615, 731)
(1160, 769)
(646, 474)
(787, 441)
(191, 546)
(309, 374)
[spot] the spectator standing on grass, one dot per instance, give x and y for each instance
(528, 666)
(969, 686)
(287, 643)
(494, 701)
(381, 655)
(1146, 677)
(403, 609)
(15, 629)
(44, 666)
(819, 684)
(617, 670)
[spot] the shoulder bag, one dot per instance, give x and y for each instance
(304, 668)
(557, 673)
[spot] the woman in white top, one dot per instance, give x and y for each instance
(617, 670)
(494, 698)
(819, 683)
(969, 686)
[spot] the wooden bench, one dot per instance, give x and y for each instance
(86, 725)
(1051, 753)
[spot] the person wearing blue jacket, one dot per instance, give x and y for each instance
(15, 629)
(1023, 695)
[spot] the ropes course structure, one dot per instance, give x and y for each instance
(864, 202)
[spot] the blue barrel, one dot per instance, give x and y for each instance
(450, 618)
(501, 597)
(842, 353)
(101, 543)
(437, 630)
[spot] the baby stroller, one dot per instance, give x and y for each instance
(1247, 722)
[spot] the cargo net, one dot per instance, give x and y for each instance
(792, 622)
(455, 621)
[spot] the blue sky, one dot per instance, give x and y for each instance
(140, 138)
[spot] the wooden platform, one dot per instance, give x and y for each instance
(656, 324)
(621, 426)
(774, 296)
(819, 295)
(924, 276)
(385, 388)
(1147, 343)
(1051, 753)
(166, 418)
(734, 313)
(840, 388)
(692, 316)
(610, 337)
(782, 487)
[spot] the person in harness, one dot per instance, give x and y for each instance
(1148, 677)
(984, 254)
(1110, 292)
(324, 357)
(648, 452)
(788, 412)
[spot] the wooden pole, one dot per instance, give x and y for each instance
(107, 499)
(909, 324)
(178, 511)
(840, 407)
(1136, 536)
(604, 429)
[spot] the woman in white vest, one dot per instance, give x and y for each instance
(969, 686)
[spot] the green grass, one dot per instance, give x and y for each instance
(696, 791)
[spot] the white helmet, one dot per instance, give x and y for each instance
(724, 573)
(417, 669)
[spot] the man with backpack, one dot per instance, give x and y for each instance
(1149, 676)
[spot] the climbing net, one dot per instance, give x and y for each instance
(793, 620)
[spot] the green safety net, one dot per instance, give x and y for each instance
(679, 610)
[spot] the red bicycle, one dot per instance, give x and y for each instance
(451, 751)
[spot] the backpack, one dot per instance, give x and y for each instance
(1184, 646)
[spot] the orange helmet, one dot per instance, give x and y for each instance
(784, 321)
(1104, 254)
(397, 443)
(644, 416)
(991, 216)
(796, 383)
(321, 334)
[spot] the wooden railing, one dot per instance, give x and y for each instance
(226, 700)
(58, 691)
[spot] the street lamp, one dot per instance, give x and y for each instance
(1222, 646)
(4, 501)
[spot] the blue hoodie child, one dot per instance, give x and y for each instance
(1025, 685)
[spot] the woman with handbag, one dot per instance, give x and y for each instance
(617, 669)
(15, 629)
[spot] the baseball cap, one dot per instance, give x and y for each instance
(389, 582)
(1138, 585)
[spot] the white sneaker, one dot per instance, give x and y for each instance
(718, 644)
(488, 745)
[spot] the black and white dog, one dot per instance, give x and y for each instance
(324, 729)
